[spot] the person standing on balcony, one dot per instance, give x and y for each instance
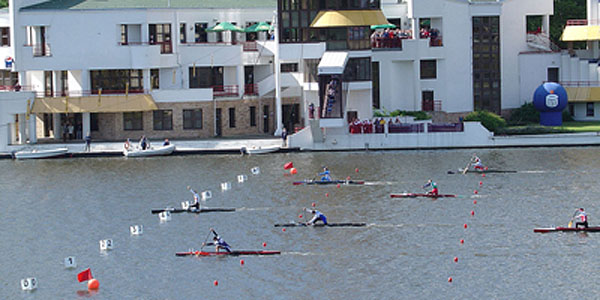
(284, 136)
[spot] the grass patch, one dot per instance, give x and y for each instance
(568, 127)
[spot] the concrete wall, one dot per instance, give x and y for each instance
(533, 71)
(12, 104)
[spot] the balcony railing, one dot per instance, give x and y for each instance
(225, 91)
(40, 49)
(450, 127)
(580, 83)
(85, 93)
(250, 46)
(251, 89)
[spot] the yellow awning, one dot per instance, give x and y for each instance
(581, 33)
(583, 94)
(340, 18)
(95, 104)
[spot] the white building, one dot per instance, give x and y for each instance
(124, 69)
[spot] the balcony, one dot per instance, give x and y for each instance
(251, 89)
(250, 46)
(39, 50)
(220, 91)
(84, 93)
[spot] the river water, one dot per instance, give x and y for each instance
(52, 209)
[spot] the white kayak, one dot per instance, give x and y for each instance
(261, 150)
(162, 150)
(35, 153)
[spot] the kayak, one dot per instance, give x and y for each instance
(308, 182)
(414, 195)
(322, 225)
(194, 211)
(566, 229)
(232, 253)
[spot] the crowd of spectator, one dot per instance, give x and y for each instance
(371, 126)
(433, 34)
(389, 38)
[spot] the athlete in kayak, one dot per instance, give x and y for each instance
(477, 164)
(581, 218)
(326, 175)
(434, 189)
(318, 216)
(218, 242)
(196, 204)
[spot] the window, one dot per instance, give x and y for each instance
(48, 87)
(358, 69)
(163, 119)
(589, 109)
(553, 74)
(572, 109)
(428, 69)
(205, 77)
(290, 67)
(94, 124)
(231, 117)
(160, 34)
(8, 78)
(358, 38)
(116, 81)
(486, 64)
(252, 116)
(124, 34)
(192, 119)
(64, 82)
(200, 34)
(182, 35)
(311, 70)
(5, 36)
(133, 120)
(427, 102)
(155, 79)
(375, 80)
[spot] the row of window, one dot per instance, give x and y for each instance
(163, 119)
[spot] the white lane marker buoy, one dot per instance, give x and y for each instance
(255, 171)
(185, 204)
(106, 244)
(164, 216)
(136, 229)
(29, 284)
(70, 262)
(225, 186)
(242, 178)
(206, 195)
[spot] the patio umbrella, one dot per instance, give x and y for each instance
(262, 26)
(382, 26)
(224, 26)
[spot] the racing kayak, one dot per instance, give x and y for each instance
(414, 195)
(308, 182)
(567, 229)
(232, 253)
(476, 171)
(194, 211)
(322, 225)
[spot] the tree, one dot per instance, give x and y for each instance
(3, 3)
(565, 10)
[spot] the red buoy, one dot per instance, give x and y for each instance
(93, 284)
(449, 279)
(283, 229)
(465, 226)
(242, 261)
(338, 185)
(475, 192)
(482, 175)
(300, 216)
(356, 170)
(455, 259)
(474, 201)
(462, 241)
(216, 282)
(313, 204)
(264, 244)
(293, 171)
(481, 183)
(326, 194)
(472, 213)
(348, 178)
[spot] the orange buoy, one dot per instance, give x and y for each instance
(93, 284)
(356, 170)
(474, 201)
(293, 171)
(216, 282)
(465, 226)
(338, 185)
(313, 204)
(462, 241)
(264, 244)
(242, 261)
(455, 259)
(472, 213)
(283, 229)
(449, 279)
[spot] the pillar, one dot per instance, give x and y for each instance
(22, 129)
(58, 130)
(85, 124)
(147, 80)
(240, 80)
(32, 134)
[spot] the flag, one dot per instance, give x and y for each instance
(85, 275)
(288, 165)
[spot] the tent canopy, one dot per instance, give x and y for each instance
(224, 26)
(342, 18)
(262, 26)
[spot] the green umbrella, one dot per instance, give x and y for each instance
(224, 26)
(381, 26)
(262, 26)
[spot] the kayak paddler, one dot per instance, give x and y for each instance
(318, 216)
(433, 185)
(476, 161)
(326, 175)
(580, 218)
(196, 203)
(218, 242)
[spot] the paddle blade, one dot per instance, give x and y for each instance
(85, 275)
(570, 224)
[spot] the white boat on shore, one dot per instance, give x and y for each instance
(35, 153)
(260, 149)
(162, 150)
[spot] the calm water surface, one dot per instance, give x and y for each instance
(52, 209)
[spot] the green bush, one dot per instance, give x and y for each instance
(526, 114)
(531, 130)
(489, 120)
(566, 116)
(419, 115)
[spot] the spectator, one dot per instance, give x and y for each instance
(88, 142)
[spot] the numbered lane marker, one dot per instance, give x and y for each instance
(206, 195)
(255, 171)
(136, 229)
(70, 262)
(225, 186)
(29, 284)
(165, 216)
(106, 244)
(242, 178)
(185, 204)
